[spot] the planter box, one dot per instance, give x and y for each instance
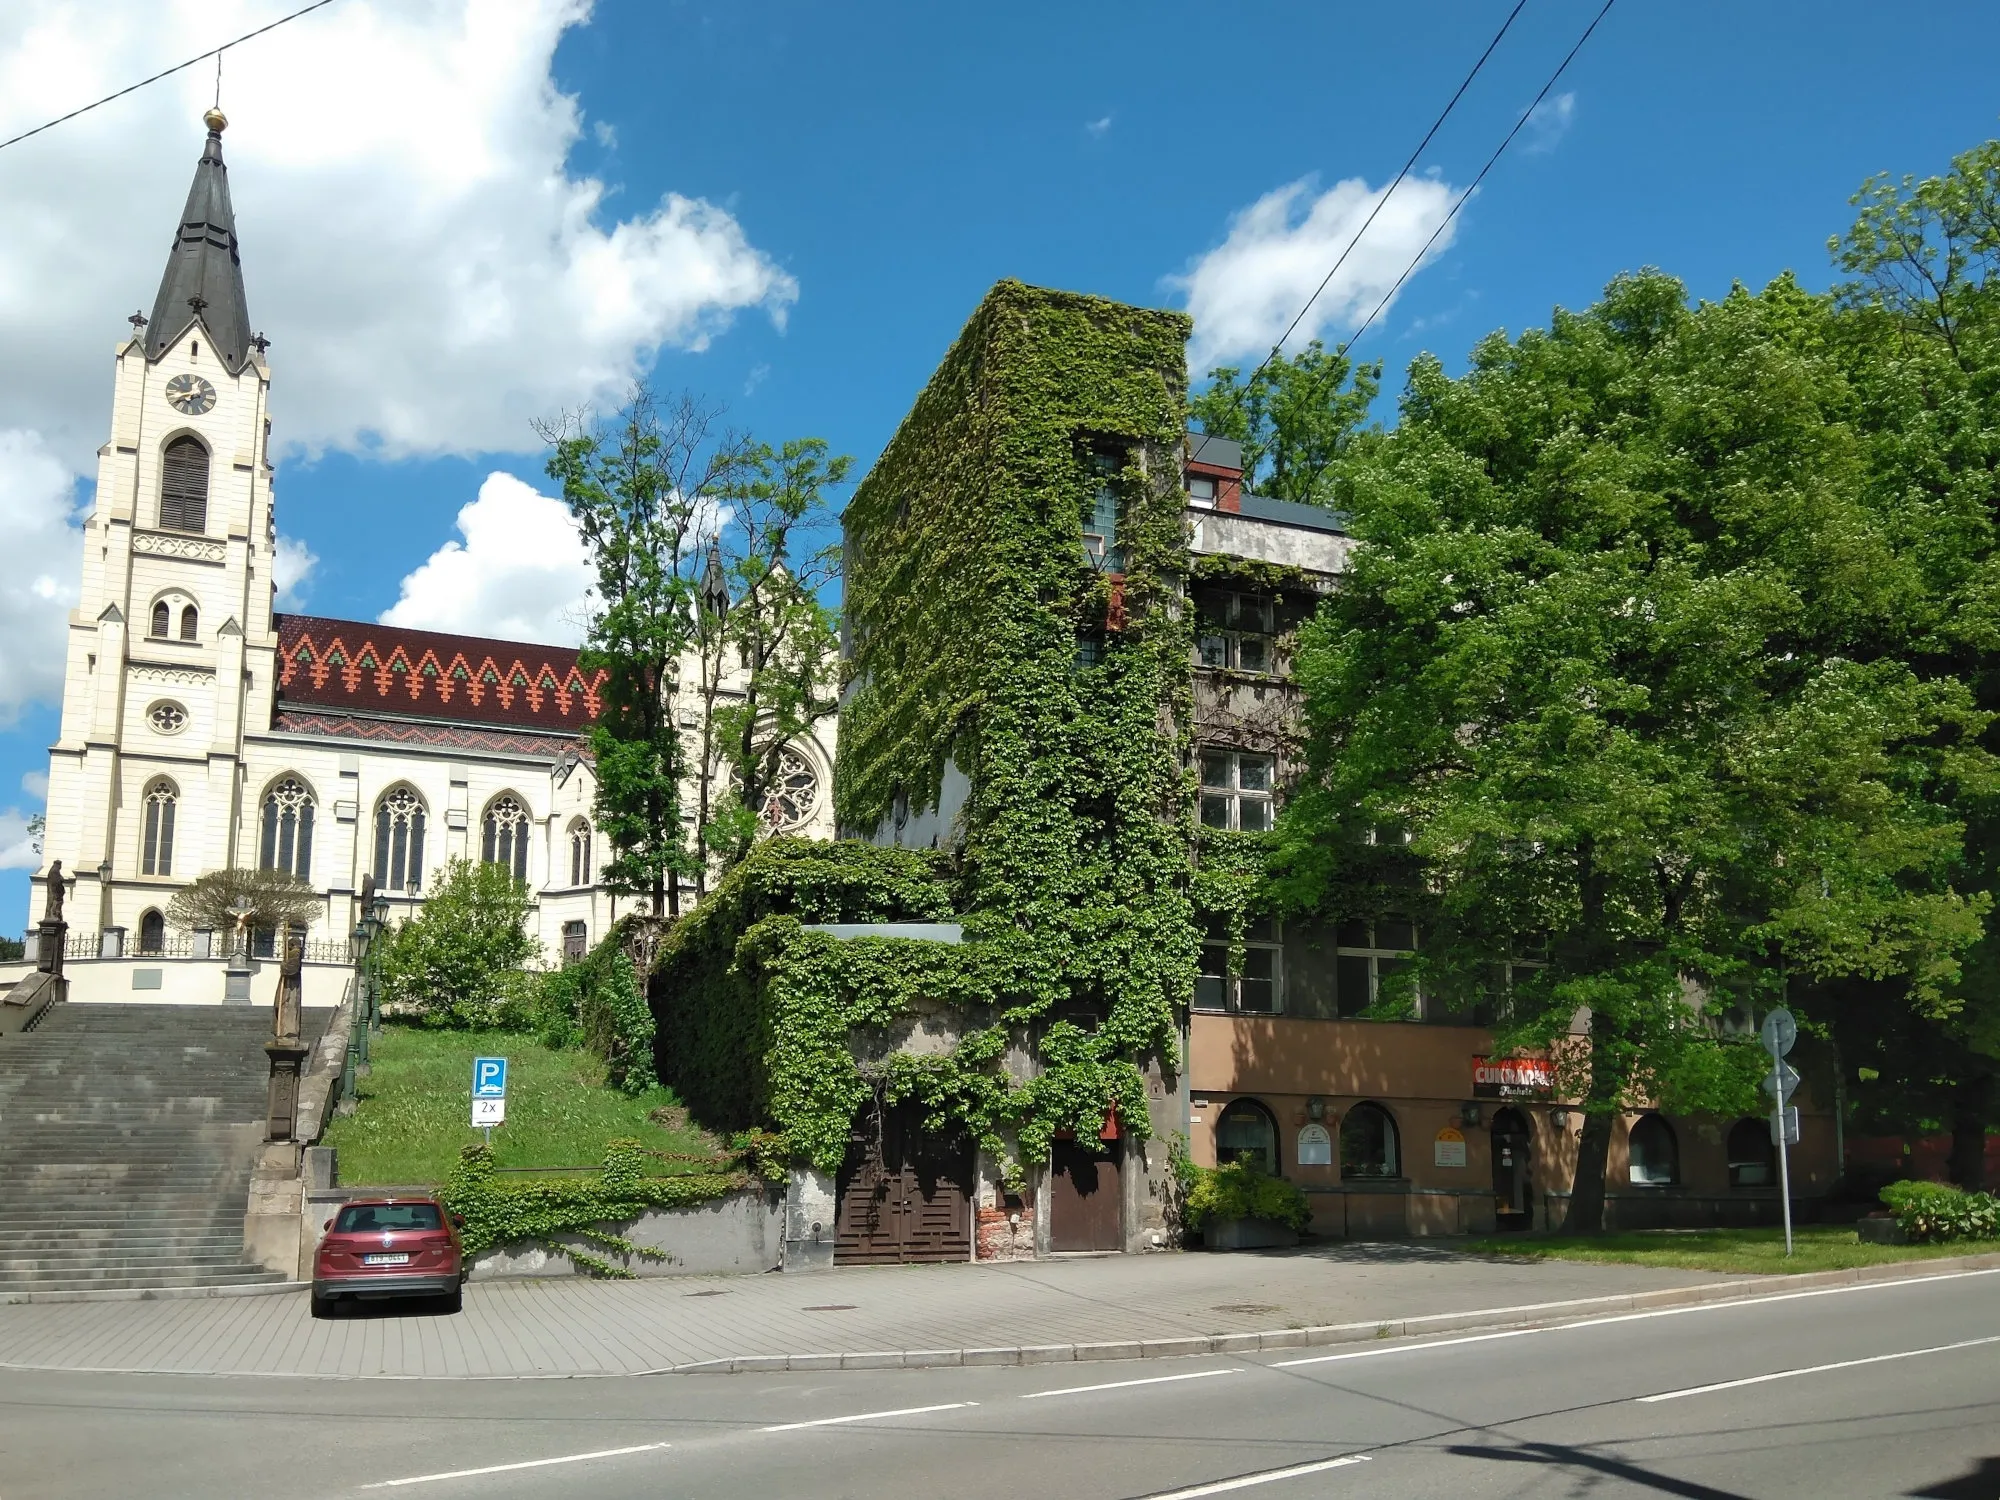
(1882, 1231)
(1248, 1234)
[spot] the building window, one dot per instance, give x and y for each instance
(790, 798)
(576, 941)
(1247, 1133)
(156, 857)
(167, 717)
(1654, 1155)
(1100, 525)
(1201, 491)
(184, 487)
(1258, 989)
(1368, 1143)
(288, 829)
(399, 841)
(161, 618)
(1753, 1160)
(1368, 956)
(190, 622)
(1238, 633)
(152, 934)
(580, 867)
(505, 838)
(1236, 790)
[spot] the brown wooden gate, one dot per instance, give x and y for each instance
(904, 1195)
(1084, 1198)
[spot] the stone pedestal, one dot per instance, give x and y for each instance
(810, 1204)
(236, 980)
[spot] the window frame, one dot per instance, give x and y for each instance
(183, 509)
(1374, 953)
(1650, 1122)
(287, 848)
(1767, 1159)
(1235, 795)
(1391, 1138)
(1228, 619)
(506, 844)
(399, 840)
(582, 869)
(156, 840)
(1231, 985)
(1248, 1107)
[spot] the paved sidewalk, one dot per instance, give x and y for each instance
(572, 1327)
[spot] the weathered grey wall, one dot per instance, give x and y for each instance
(741, 1233)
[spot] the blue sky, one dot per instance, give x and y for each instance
(895, 160)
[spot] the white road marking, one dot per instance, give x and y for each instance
(533, 1463)
(1845, 1364)
(1638, 1317)
(868, 1416)
(1268, 1476)
(1119, 1385)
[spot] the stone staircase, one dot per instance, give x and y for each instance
(127, 1138)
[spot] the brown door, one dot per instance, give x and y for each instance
(1513, 1186)
(903, 1195)
(1084, 1200)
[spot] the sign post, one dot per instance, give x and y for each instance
(1780, 1032)
(489, 1094)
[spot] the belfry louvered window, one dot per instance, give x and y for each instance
(184, 486)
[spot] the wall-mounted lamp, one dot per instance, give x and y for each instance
(1470, 1113)
(1559, 1118)
(1316, 1108)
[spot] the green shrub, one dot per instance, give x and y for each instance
(1238, 1190)
(460, 961)
(597, 1003)
(1929, 1211)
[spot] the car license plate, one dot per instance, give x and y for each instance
(385, 1260)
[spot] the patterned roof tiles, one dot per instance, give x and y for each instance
(425, 674)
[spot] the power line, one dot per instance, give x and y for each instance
(1445, 223)
(1380, 203)
(214, 52)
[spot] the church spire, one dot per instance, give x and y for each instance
(204, 274)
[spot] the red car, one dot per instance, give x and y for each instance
(389, 1247)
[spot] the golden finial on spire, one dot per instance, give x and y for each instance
(216, 121)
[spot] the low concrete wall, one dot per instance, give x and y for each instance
(743, 1232)
(192, 981)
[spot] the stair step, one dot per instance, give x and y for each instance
(246, 1275)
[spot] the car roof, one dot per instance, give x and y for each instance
(383, 1202)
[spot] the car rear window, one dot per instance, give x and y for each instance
(360, 1218)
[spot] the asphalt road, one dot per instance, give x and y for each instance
(1891, 1389)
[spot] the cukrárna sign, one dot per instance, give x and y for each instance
(1513, 1077)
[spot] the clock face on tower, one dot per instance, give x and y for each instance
(190, 394)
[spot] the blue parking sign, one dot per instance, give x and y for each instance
(489, 1078)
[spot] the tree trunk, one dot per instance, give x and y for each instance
(1586, 1195)
(1971, 1105)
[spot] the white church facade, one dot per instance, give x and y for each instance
(203, 729)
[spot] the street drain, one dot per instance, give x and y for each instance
(1245, 1307)
(831, 1307)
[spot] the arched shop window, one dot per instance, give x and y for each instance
(1247, 1133)
(1654, 1154)
(1368, 1143)
(1753, 1161)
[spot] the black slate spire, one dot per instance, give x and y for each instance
(204, 273)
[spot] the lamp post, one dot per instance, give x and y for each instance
(378, 916)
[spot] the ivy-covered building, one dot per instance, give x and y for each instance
(1033, 960)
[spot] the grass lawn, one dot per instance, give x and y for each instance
(416, 1107)
(1817, 1247)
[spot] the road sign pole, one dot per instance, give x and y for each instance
(1780, 1118)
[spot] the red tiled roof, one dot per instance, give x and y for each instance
(424, 674)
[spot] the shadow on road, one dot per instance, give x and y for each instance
(1561, 1455)
(1979, 1483)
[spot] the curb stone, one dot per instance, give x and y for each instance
(156, 1293)
(1530, 1315)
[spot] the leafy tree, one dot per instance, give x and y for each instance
(459, 961)
(1296, 417)
(644, 489)
(267, 900)
(783, 639)
(1592, 662)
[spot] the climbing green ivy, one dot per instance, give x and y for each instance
(1028, 710)
(538, 1212)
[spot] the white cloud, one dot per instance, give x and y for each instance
(606, 133)
(36, 784)
(1549, 121)
(432, 274)
(521, 573)
(1246, 290)
(290, 571)
(1098, 126)
(17, 844)
(39, 584)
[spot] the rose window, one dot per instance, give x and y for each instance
(789, 799)
(167, 718)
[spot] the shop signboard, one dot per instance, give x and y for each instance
(1448, 1150)
(1315, 1147)
(1513, 1077)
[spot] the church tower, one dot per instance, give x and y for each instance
(171, 648)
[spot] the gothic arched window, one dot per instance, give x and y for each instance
(184, 486)
(399, 841)
(580, 868)
(156, 855)
(152, 933)
(504, 840)
(288, 829)
(189, 621)
(161, 616)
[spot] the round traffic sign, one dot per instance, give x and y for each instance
(1780, 1031)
